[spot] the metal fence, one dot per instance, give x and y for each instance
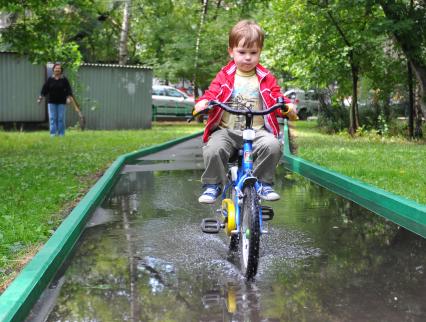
(111, 96)
(20, 84)
(114, 97)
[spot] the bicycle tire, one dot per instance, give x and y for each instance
(249, 241)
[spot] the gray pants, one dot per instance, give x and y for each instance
(223, 143)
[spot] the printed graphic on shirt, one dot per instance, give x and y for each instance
(245, 95)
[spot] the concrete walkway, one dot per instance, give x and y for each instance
(184, 156)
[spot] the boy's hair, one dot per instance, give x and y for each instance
(248, 30)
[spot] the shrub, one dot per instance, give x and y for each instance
(333, 119)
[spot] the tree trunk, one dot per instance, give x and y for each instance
(418, 132)
(420, 72)
(123, 54)
(353, 113)
(410, 102)
(197, 46)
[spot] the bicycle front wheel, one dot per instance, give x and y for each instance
(250, 233)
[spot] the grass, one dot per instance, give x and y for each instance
(42, 178)
(394, 164)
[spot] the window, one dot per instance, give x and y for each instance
(158, 92)
(173, 93)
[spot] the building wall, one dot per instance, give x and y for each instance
(113, 97)
(20, 85)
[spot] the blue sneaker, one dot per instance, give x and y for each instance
(210, 194)
(267, 193)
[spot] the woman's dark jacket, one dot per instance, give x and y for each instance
(56, 90)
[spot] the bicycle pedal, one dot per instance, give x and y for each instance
(210, 225)
(267, 213)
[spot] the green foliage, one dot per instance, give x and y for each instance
(169, 44)
(41, 30)
(382, 126)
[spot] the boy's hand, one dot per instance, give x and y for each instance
(291, 114)
(201, 105)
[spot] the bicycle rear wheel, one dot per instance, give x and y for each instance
(250, 233)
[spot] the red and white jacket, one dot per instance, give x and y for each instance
(221, 89)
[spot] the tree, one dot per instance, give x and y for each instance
(326, 42)
(124, 33)
(406, 23)
(203, 15)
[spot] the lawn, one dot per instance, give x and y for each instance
(42, 178)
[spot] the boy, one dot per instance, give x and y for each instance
(243, 82)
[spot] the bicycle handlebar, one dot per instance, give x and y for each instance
(211, 104)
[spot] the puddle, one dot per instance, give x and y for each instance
(143, 257)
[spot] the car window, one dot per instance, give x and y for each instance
(158, 91)
(173, 92)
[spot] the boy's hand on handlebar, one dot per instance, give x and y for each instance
(200, 106)
(290, 112)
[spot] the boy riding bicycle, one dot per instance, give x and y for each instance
(243, 83)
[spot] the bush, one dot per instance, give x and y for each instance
(380, 119)
(333, 119)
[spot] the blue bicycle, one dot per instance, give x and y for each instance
(242, 212)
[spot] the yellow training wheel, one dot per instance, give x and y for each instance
(231, 301)
(228, 210)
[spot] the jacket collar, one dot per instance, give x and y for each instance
(231, 69)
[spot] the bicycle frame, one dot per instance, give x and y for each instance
(243, 176)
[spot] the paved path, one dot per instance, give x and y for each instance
(183, 156)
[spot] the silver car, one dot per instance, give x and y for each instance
(168, 101)
(306, 103)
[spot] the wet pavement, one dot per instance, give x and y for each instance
(143, 257)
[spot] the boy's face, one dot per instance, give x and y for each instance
(246, 58)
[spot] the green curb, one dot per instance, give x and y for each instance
(18, 299)
(401, 211)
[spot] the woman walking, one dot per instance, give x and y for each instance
(57, 89)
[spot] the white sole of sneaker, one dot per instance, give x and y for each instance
(205, 201)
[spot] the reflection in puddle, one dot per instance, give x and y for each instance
(144, 258)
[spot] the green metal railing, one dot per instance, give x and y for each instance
(399, 210)
(176, 111)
